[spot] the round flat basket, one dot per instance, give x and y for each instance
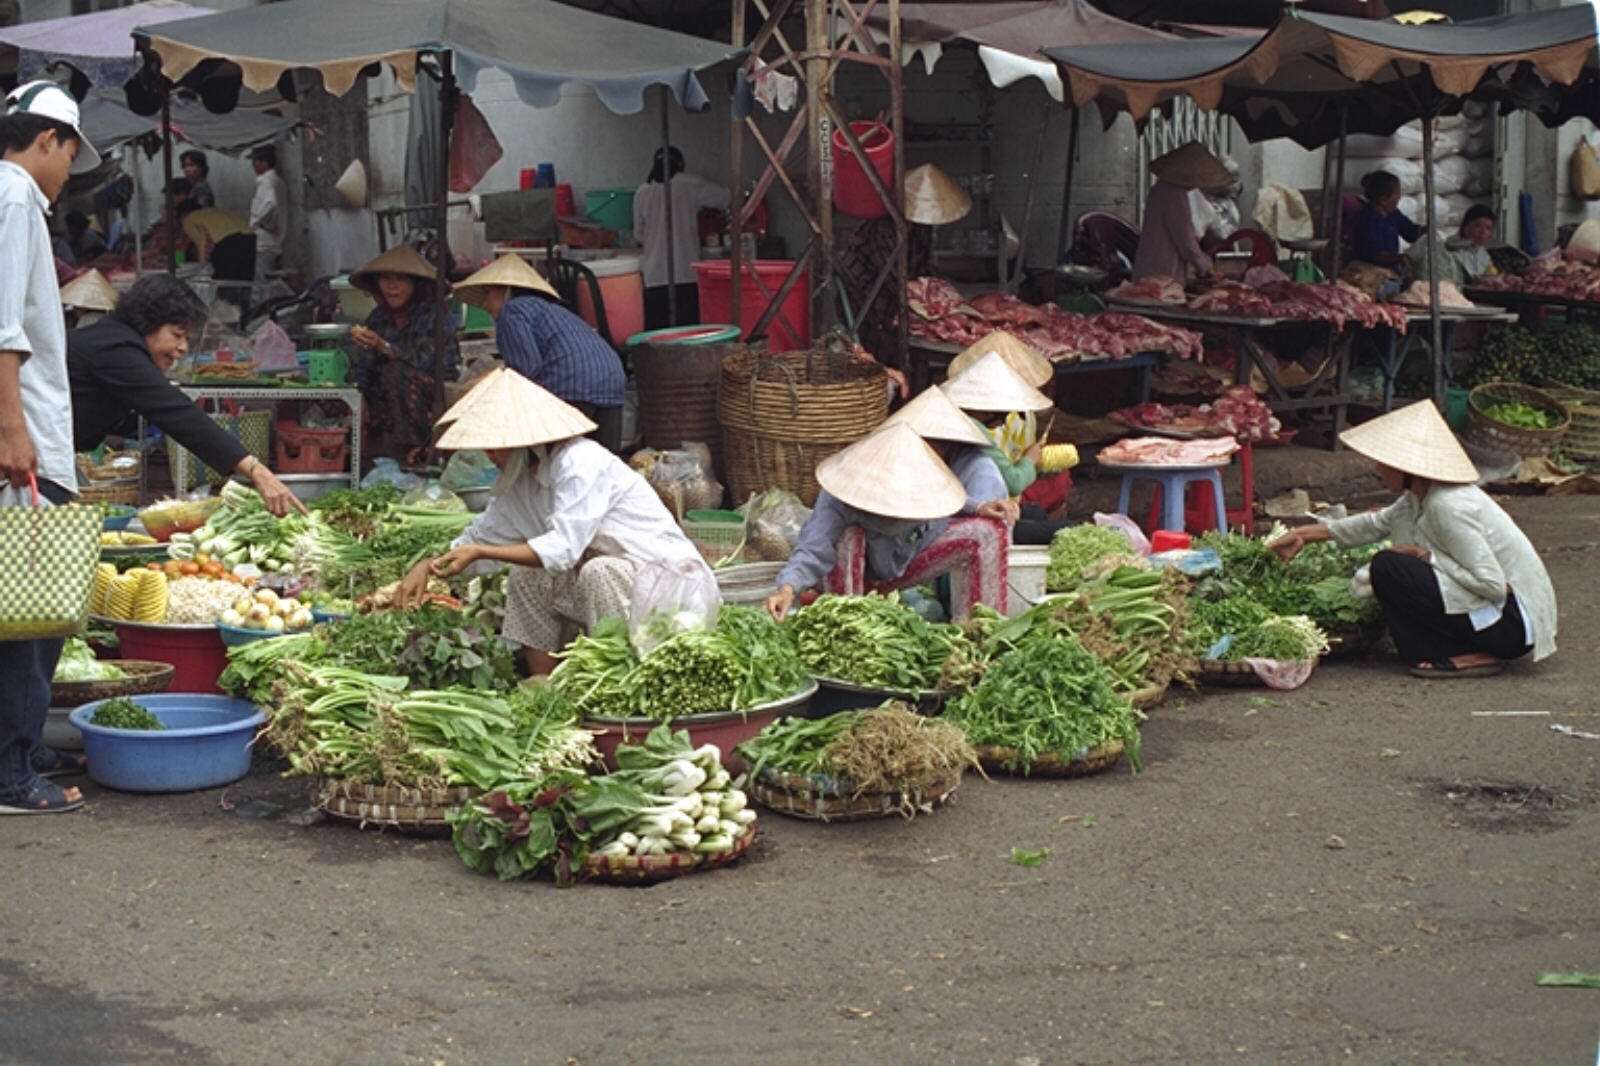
(143, 678)
(1583, 436)
(1000, 760)
(1570, 394)
(831, 799)
(648, 869)
(1492, 433)
(1217, 672)
(415, 810)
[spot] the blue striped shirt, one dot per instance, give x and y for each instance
(557, 350)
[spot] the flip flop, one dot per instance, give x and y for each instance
(45, 797)
(62, 764)
(1444, 669)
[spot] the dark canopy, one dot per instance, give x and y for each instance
(541, 44)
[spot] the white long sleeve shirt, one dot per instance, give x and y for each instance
(269, 211)
(690, 193)
(582, 499)
(1477, 554)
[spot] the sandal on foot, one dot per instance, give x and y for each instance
(60, 763)
(45, 797)
(1444, 669)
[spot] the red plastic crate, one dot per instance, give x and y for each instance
(308, 450)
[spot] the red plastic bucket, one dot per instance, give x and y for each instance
(195, 652)
(789, 330)
(852, 192)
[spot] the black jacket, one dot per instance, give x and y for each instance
(112, 375)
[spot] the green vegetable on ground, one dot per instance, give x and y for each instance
(123, 713)
(1024, 857)
(878, 642)
(1075, 548)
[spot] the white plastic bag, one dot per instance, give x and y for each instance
(681, 477)
(387, 469)
(1127, 527)
(671, 598)
(271, 348)
(773, 521)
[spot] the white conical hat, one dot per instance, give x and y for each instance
(510, 269)
(991, 385)
(893, 473)
(509, 411)
(933, 199)
(352, 185)
(89, 291)
(1414, 440)
(1030, 366)
(1193, 166)
(933, 417)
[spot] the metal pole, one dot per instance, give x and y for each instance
(1027, 207)
(1064, 230)
(817, 168)
(171, 212)
(666, 198)
(447, 114)
(1435, 328)
(736, 184)
(1338, 196)
(897, 206)
(130, 156)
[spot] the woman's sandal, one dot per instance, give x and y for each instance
(45, 797)
(1444, 669)
(62, 764)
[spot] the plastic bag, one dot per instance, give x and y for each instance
(271, 348)
(671, 598)
(468, 470)
(433, 496)
(473, 146)
(387, 469)
(772, 524)
(1127, 527)
(681, 477)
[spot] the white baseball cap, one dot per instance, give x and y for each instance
(49, 100)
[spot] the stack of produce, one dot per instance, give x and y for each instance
(1076, 548)
(1569, 355)
(908, 760)
(241, 531)
(155, 596)
(123, 713)
(78, 663)
(121, 538)
(876, 641)
(1256, 606)
(266, 611)
(744, 661)
(668, 805)
(402, 537)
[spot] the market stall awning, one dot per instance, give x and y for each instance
(1292, 81)
(97, 44)
(541, 44)
(1008, 35)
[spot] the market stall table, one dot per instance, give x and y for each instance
(1532, 306)
(930, 355)
(1394, 349)
(1240, 331)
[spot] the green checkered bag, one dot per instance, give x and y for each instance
(47, 561)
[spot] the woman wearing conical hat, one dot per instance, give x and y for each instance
(901, 484)
(1168, 246)
(548, 344)
(395, 362)
(1462, 589)
(572, 520)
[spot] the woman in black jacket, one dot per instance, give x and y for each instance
(118, 365)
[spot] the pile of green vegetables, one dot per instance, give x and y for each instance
(1076, 548)
(78, 663)
(335, 722)
(433, 647)
(1047, 695)
(356, 512)
(665, 797)
(1522, 415)
(746, 660)
(1569, 354)
(1315, 583)
(125, 714)
(876, 641)
(243, 531)
(399, 538)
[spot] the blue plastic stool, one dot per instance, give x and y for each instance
(1173, 484)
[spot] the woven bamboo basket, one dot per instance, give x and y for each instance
(1218, 672)
(647, 869)
(114, 466)
(1001, 760)
(678, 386)
(415, 810)
(783, 414)
(144, 678)
(1583, 436)
(109, 492)
(830, 799)
(1490, 433)
(1570, 394)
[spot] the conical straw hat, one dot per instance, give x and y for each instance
(510, 269)
(933, 199)
(468, 402)
(89, 291)
(1030, 366)
(509, 411)
(895, 474)
(991, 385)
(933, 417)
(401, 259)
(1414, 440)
(1193, 167)
(352, 185)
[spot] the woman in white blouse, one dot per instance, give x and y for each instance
(1463, 589)
(572, 519)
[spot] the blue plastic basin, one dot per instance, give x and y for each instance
(206, 744)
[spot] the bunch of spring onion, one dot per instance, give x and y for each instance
(405, 536)
(243, 531)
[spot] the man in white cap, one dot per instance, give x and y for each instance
(42, 145)
(1462, 589)
(574, 521)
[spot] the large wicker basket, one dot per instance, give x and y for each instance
(1491, 433)
(414, 810)
(1002, 760)
(678, 394)
(783, 414)
(141, 677)
(831, 799)
(113, 479)
(648, 869)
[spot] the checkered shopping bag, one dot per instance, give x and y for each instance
(47, 561)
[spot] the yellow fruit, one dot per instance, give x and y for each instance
(104, 575)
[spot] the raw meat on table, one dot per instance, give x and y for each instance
(1157, 289)
(932, 297)
(1164, 451)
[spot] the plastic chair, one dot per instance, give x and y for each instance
(1170, 487)
(1101, 239)
(566, 275)
(1263, 252)
(1199, 506)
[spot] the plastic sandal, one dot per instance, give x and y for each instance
(45, 797)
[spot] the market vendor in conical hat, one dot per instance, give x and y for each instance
(549, 344)
(1168, 246)
(1462, 588)
(896, 485)
(572, 520)
(395, 362)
